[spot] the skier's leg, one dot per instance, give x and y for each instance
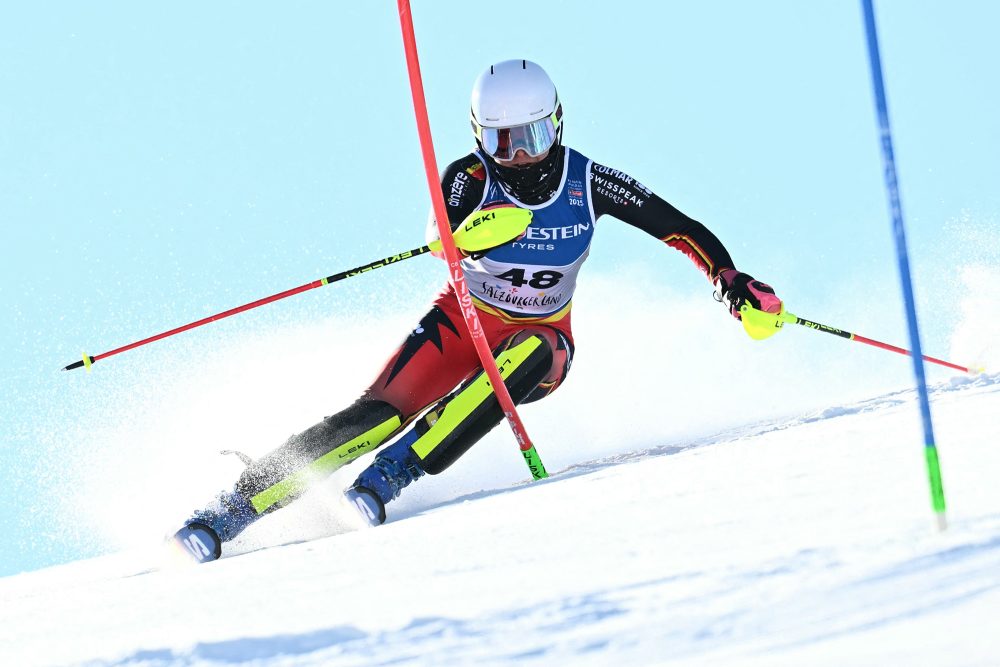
(530, 368)
(275, 480)
(431, 361)
(280, 477)
(460, 420)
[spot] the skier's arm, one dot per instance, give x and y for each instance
(621, 196)
(627, 199)
(463, 184)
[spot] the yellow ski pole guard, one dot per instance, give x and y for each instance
(487, 229)
(759, 324)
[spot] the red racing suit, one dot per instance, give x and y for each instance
(523, 290)
(527, 286)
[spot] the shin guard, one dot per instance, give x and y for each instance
(458, 422)
(283, 475)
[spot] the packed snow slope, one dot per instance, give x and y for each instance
(803, 541)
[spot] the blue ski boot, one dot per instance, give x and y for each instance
(199, 542)
(391, 471)
(225, 518)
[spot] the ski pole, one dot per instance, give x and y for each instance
(89, 361)
(480, 231)
(759, 320)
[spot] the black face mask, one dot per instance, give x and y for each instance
(534, 183)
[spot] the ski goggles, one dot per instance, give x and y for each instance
(534, 138)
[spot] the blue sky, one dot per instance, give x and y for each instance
(164, 163)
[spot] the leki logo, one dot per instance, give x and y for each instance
(356, 450)
(478, 220)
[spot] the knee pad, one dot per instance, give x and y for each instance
(457, 423)
(562, 359)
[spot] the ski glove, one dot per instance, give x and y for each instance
(734, 289)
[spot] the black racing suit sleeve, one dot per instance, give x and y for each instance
(617, 194)
(463, 183)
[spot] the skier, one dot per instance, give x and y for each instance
(523, 291)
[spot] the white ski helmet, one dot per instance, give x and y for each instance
(515, 107)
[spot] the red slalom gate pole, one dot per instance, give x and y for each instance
(457, 277)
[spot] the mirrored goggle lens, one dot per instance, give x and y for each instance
(533, 138)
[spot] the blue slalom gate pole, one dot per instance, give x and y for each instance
(896, 210)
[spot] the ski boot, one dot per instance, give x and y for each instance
(392, 470)
(225, 518)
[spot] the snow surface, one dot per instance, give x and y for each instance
(802, 541)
